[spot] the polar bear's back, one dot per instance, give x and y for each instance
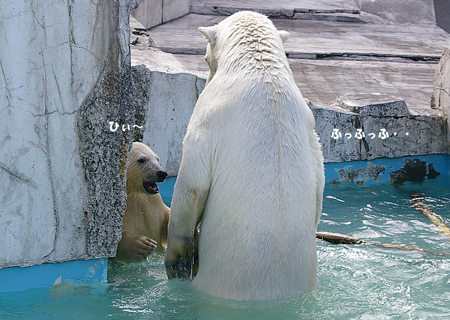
(252, 169)
(262, 189)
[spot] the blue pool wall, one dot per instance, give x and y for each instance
(363, 171)
(95, 270)
(441, 164)
(47, 275)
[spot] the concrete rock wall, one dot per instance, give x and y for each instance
(64, 75)
(441, 10)
(370, 126)
(168, 96)
(441, 92)
(172, 100)
(154, 12)
(398, 11)
(358, 127)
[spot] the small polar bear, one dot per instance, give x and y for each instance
(251, 172)
(146, 218)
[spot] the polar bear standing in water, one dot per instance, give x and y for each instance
(251, 172)
(146, 218)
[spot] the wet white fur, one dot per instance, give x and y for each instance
(252, 169)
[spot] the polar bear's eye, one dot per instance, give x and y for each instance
(142, 160)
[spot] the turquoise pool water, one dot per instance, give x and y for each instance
(355, 281)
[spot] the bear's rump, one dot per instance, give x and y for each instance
(242, 254)
(254, 272)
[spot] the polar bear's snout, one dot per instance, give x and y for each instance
(161, 175)
(150, 185)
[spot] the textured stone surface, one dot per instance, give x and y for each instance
(59, 85)
(337, 11)
(376, 130)
(269, 6)
(322, 81)
(369, 81)
(338, 40)
(383, 62)
(104, 153)
(379, 11)
(171, 92)
(373, 104)
(400, 11)
(362, 117)
(173, 9)
(149, 12)
(154, 12)
(171, 100)
(441, 91)
(441, 10)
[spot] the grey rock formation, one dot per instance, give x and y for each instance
(369, 126)
(441, 91)
(62, 170)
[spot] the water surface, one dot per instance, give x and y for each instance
(355, 281)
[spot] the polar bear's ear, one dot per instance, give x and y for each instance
(209, 33)
(284, 35)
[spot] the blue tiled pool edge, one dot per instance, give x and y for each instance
(334, 171)
(47, 275)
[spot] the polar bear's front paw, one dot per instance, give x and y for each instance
(181, 269)
(142, 247)
(179, 258)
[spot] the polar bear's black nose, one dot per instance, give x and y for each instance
(161, 175)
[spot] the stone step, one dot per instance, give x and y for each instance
(320, 39)
(324, 77)
(323, 81)
(352, 73)
(378, 11)
(338, 11)
(270, 6)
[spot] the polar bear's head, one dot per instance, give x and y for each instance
(144, 170)
(248, 29)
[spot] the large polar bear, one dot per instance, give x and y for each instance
(146, 217)
(251, 172)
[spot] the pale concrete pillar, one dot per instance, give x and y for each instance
(64, 74)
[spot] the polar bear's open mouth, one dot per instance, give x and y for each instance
(151, 187)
